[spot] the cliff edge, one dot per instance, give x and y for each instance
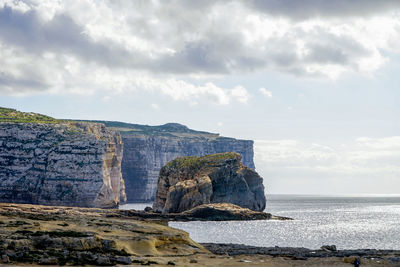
(148, 148)
(52, 162)
(187, 182)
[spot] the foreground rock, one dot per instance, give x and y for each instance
(45, 161)
(46, 235)
(187, 182)
(380, 257)
(78, 236)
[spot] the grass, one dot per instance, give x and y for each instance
(167, 130)
(13, 115)
(196, 163)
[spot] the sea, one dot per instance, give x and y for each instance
(349, 222)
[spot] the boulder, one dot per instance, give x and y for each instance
(187, 182)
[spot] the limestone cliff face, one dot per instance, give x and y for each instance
(187, 182)
(144, 155)
(71, 164)
(148, 148)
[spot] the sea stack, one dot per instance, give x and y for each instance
(51, 162)
(187, 182)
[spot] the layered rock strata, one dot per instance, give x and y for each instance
(59, 163)
(49, 235)
(148, 148)
(145, 155)
(187, 182)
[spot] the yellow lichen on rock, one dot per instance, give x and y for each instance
(84, 235)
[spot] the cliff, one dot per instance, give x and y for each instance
(148, 148)
(51, 162)
(187, 182)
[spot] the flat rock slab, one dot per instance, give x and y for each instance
(298, 252)
(208, 212)
(79, 236)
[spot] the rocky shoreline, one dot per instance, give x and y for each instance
(299, 253)
(206, 212)
(53, 235)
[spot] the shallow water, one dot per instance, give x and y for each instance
(347, 222)
(135, 206)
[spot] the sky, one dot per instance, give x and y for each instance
(314, 83)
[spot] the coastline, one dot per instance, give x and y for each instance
(53, 235)
(299, 253)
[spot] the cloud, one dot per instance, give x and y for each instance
(8, 83)
(389, 143)
(22, 73)
(265, 92)
(360, 163)
(315, 8)
(60, 35)
(155, 106)
(106, 98)
(50, 45)
(180, 90)
(240, 94)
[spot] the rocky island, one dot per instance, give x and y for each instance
(187, 182)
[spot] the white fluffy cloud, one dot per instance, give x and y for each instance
(76, 46)
(265, 92)
(369, 164)
(181, 90)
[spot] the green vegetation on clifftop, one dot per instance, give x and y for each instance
(12, 115)
(166, 130)
(196, 163)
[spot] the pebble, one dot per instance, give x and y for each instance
(48, 261)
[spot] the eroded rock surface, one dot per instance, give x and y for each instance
(300, 253)
(70, 164)
(79, 236)
(187, 182)
(226, 212)
(145, 155)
